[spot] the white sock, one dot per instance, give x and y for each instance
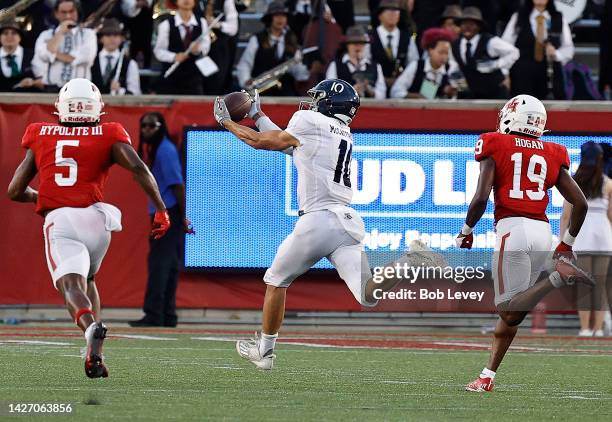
(266, 343)
(487, 373)
(89, 330)
(555, 279)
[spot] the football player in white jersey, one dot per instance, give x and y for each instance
(320, 141)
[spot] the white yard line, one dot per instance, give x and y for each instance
(142, 337)
(38, 342)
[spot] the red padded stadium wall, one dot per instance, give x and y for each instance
(23, 274)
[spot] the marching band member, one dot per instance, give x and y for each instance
(109, 72)
(269, 48)
(356, 68)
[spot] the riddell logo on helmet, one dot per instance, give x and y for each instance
(78, 119)
(527, 131)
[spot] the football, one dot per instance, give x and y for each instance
(238, 104)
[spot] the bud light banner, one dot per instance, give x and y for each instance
(407, 186)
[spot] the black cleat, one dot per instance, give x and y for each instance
(94, 360)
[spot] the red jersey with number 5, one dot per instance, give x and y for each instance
(72, 162)
(525, 168)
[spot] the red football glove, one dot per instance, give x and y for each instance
(464, 241)
(563, 249)
(161, 224)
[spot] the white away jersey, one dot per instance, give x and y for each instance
(323, 160)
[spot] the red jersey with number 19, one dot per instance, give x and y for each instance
(72, 162)
(525, 168)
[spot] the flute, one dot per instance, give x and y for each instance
(212, 25)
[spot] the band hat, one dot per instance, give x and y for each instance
(11, 24)
(388, 4)
(111, 26)
(452, 11)
(275, 8)
(356, 35)
(472, 13)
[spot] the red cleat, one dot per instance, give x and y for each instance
(94, 361)
(480, 385)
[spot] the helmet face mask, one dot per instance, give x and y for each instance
(333, 98)
(524, 115)
(79, 101)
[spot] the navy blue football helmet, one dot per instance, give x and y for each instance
(334, 98)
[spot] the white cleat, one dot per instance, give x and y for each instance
(249, 350)
(421, 254)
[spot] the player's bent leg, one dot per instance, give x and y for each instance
(418, 255)
(352, 267)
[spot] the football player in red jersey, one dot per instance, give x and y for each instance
(520, 168)
(72, 159)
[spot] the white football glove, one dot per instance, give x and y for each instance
(221, 112)
(255, 104)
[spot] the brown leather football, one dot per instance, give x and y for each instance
(238, 104)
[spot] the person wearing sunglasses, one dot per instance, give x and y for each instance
(162, 156)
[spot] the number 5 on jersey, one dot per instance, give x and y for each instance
(61, 161)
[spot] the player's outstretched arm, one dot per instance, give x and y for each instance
(573, 194)
(273, 140)
(18, 189)
(479, 202)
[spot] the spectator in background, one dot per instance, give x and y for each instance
(406, 23)
(88, 7)
(428, 77)
(219, 83)
(544, 39)
(275, 44)
(138, 18)
(593, 245)
(328, 39)
(343, 12)
(356, 68)
(304, 12)
(174, 45)
(35, 20)
(393, 48)
(484, 59)
(426, 13)
(300, 12)
(16, 74)
(161, 155)
(66, 51)
(605, 56)
(450, 19)
(105, 72)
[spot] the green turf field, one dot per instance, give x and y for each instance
(195, 374)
